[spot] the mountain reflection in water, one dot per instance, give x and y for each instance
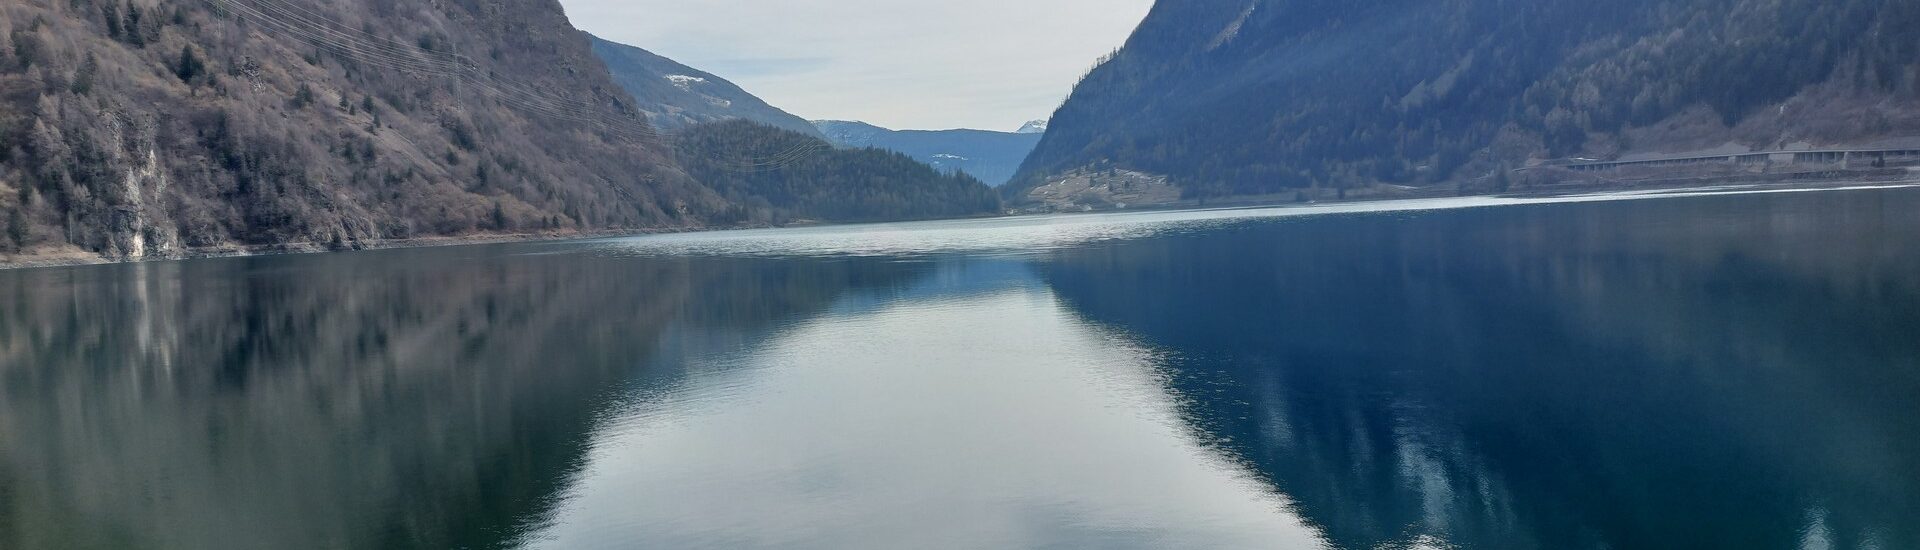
(1722, 371)
(1730, 372)
(432, 398)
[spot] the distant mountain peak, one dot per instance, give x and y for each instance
(675, 96)
(1033, 127)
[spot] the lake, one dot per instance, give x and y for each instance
(1704, 370)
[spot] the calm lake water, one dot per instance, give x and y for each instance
(1715, 371)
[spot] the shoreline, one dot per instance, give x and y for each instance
(242, 251)
(1808, 180)
(1569, 190)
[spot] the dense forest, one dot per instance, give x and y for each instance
(140, 128)
(1258, 96)
(772, 175)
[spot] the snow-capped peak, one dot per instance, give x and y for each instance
(1034, 127)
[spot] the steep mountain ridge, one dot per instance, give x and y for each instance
(1236, 97)
(988, 155)
(146, 129)
(675, 96)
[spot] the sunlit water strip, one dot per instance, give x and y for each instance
(1037, 234)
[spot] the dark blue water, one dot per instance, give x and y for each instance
(1713, 371)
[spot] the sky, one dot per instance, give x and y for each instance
(902, 64)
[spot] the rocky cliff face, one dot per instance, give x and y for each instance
(1243, 97)
(139, 128)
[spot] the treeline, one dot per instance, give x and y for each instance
(775, 176)
(1261, 96)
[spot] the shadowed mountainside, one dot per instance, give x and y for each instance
(1246, 97)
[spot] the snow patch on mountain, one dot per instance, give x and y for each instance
(683, 81)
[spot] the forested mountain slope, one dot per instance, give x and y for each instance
(819, 182)
(988, 155)
(1257, 96)
(143, 128)
(675, 96)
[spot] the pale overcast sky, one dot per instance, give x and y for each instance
(903, 64)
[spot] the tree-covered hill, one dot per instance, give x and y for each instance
(1258, 96)
(771, 175)
(142, 128)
